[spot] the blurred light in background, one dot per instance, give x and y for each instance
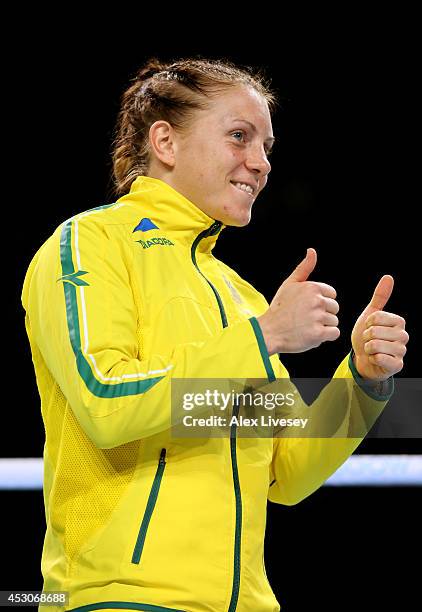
(358, 470)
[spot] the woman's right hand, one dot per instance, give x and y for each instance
(302, 314)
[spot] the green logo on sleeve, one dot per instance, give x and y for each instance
(73, 278)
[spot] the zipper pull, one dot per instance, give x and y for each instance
(215, 228)
(163, 456)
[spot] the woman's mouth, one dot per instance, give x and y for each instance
(247, 189)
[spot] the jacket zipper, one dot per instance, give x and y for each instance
(238, 530)
(136, 557)
(211, 231)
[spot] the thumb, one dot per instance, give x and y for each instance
(303, 270)
(382, 292)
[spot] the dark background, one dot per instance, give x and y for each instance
(343, 181)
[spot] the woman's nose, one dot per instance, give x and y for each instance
(258, 162)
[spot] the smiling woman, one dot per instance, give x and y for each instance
(127, 298)
(205, 129)
(215, 164)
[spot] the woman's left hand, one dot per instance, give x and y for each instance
(379, 338)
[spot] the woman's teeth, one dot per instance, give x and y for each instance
(244, 187)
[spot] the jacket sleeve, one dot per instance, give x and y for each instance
(340, 417)
(82, 317)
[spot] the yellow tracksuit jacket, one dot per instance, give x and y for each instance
(120, 300)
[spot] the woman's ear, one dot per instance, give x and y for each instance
(162, 142)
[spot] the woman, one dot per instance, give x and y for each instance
(126, 297)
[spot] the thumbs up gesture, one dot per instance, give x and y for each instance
(379, 338)
(302, 313)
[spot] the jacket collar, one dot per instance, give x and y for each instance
(171, 212)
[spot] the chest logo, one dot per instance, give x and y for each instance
(145, 225)
(146, 244)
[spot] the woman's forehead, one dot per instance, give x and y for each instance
(239, 97)
(240, 105)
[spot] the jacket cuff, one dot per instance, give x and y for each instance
(378, 390)
(263, 349)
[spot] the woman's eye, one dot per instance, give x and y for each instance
(242, 137)
(238, 132)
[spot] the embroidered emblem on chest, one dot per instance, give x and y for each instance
(235, 294)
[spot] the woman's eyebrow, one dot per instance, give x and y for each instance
(253, 128)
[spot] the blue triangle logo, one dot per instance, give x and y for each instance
(145, 225)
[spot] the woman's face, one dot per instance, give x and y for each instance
(225, 147)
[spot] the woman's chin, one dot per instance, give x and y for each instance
(238, 218)
(240, 222)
